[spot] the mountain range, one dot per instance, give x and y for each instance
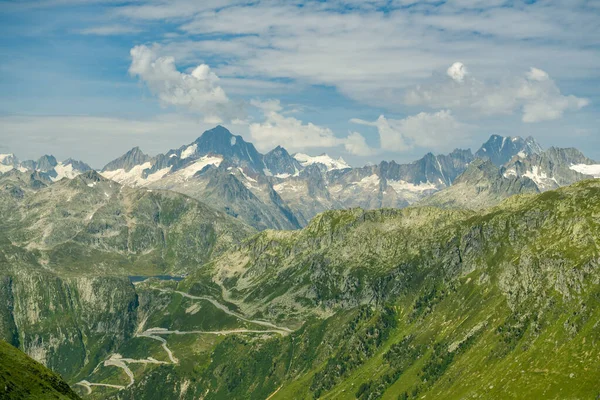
(213, 271)
(278, 190)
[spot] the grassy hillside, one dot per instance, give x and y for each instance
(23, 378)
(395, 304)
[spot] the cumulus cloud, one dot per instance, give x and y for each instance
(356, 144)
(198, 91)
(457, 71)
(294, 134)
(316, 42)
(534, 94)
(430, 130)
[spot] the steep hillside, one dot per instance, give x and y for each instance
(417, 302)
(91, 224)
(422, 302)
(23, 378)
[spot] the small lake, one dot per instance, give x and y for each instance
(141, 278)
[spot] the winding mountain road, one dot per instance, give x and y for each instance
(116, 360)
(228, 311)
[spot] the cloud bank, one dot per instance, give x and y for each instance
(428, 130)
(534, 94)
(293, 134)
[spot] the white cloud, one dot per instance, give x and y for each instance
(356, 144)
(198, 91)
(534, 94)
(438, 130)
(536, 74)
(321, 42)
(267, 106)
(295, 135)
(108, 30)
(457, 71)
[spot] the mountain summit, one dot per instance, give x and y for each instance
(127, 161)
(500, 149)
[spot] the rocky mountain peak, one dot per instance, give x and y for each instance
(127, 161)
(501, 149)
(278, 161)
(46, 163)
(77, 165)
(8, 159)
(234, 148)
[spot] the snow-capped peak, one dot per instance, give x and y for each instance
(7, 159)
(324, 159)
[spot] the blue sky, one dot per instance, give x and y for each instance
(366, 80)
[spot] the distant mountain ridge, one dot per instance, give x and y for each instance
(47, 166)
(284, 191)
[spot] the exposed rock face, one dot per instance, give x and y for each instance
(66, 324)
(127, 161)
(482, 185)
(550, 169)
(279, 162)
(499, 149)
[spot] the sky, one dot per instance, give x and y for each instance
(366, 80)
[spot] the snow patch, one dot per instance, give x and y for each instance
(198, 165)
(133, 177)
(289, 186)
(246, 176)
(233, 140)
(403, 186)
(283, 176)
(327, 161)
(522, 154)
(5, 168)
(155, 176)
(372, 180)
(540, 177)
(5, 157)
(587, 169)
(189, 151)
(64, 171)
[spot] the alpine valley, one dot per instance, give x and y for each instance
(213, 271)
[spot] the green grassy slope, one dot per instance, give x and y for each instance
(395, 304)
(23, 378)
(502, 303)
